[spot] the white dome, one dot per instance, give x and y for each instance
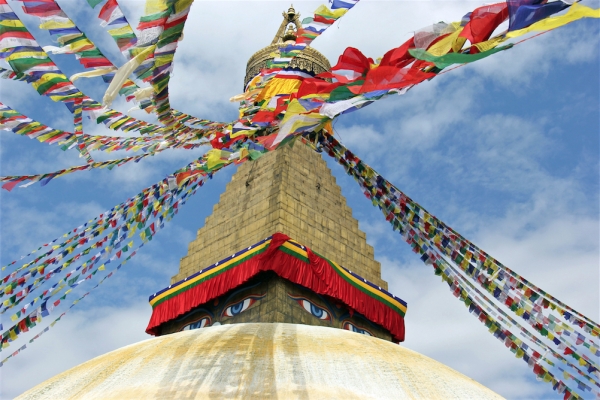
(261, 361)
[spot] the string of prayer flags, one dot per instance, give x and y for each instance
(112, 16)
(147, 212)
(22, 125)
(9, 182)
(25, 56)
(281, 104)
(323, 18)
(70, 38)
(510, 300)
(575, 12)
(160, 30)
(203, 167)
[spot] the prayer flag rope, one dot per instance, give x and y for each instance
(137, 214)
(25, 56)
(146, 213)
(464, 266)
(9, 182)
(112, 16)
(292, 103)
(178, 199)
(279, 105)
(22, 125)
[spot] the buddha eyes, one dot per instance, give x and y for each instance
(201, 323)
(240, 306)
(310, 307)
(351, 327)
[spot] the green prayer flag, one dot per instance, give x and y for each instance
(94, 3)
(453, 58)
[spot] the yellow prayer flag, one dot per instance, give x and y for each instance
(519, 353)
(575, 12)
(445, 45)
(27, 54)
(53, 24)
(120, 31)
(12, 23)
(213, 158)
(92, 73)
(163, 60)
(489, 44)
(81, 45)
(279, 86)
(326, 12)
(46, 78)
(155, 6)
(181, 5)
(64, 39)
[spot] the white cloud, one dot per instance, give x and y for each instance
(78, 337)
(32, 225)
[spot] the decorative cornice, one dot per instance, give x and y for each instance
(310, 61)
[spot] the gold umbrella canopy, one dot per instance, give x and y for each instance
(310, 60)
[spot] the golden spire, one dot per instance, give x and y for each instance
(290, 34)
(309, 60)
(291, 17)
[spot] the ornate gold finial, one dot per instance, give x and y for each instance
(291, 13)
(310, 60)
(290, 34)
(289, 17)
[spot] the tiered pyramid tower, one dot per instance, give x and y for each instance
(291, 191)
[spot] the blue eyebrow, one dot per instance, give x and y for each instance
(323, 299)
(195, 312)
(327, 305)
(347, 316)
(240, 290)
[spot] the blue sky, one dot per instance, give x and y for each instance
(505, 150)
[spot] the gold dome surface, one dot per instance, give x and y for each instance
(309, 60)
(259, 361)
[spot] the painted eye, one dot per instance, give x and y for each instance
(240, 306)
(351, 327)
(314, 310)
(197, 325)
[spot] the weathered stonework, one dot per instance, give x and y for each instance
(292, 191)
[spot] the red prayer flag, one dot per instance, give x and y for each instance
(107, 9)
(43, 10)
(399, 57)
(483, 21)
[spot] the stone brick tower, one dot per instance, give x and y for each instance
(292, 191)
(288, 193)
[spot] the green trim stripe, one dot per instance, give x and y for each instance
(207, 275)
(292, 250)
